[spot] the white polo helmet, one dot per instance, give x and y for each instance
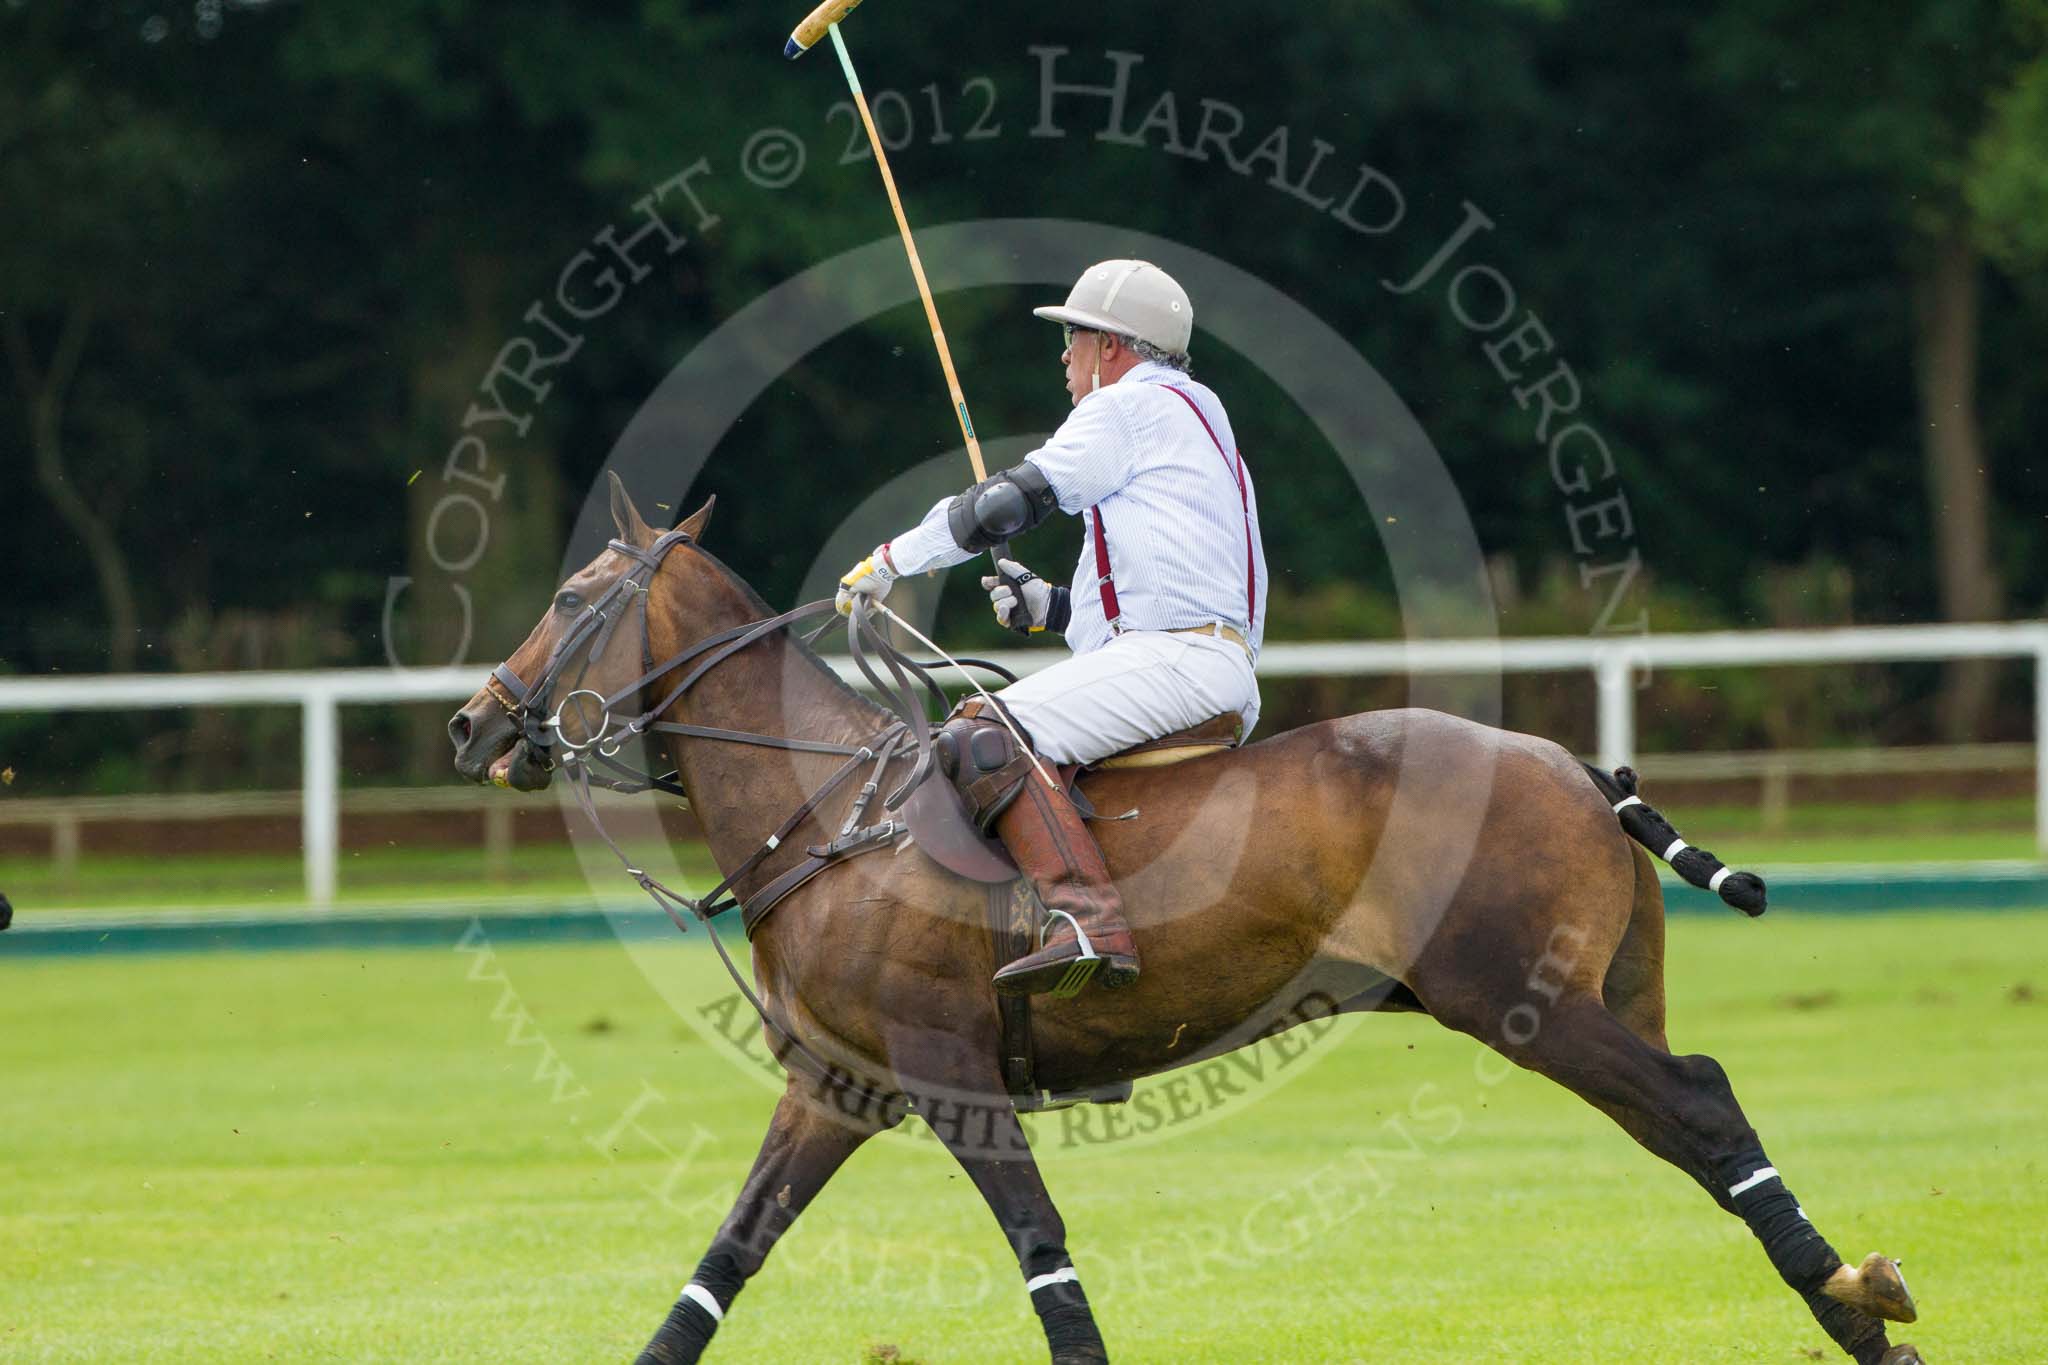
(1129, 298)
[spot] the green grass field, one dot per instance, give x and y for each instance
(1907, 831)
(389, 876)
(344, 1155)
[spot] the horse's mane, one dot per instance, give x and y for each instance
(762, 611)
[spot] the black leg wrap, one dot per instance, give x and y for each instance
(1800, 1255)
(690, 1325)
(1070, 1329)
(1859, 1334)
(719, 1272)
(1043, 1256)
(682, 1339)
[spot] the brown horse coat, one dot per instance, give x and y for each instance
(1395, 860)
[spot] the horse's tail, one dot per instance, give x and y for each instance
(1643, 823)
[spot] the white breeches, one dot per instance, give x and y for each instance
(1139, 686)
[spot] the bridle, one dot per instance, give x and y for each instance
(591, 633)
(528, 704)
(588, 636)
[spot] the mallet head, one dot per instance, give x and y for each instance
(814, 26)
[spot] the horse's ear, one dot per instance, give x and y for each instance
(694, 524)
(625, 515)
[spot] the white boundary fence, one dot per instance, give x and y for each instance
(1614, 663)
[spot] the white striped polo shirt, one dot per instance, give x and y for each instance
(1182, 532)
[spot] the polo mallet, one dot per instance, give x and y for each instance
(822, 22)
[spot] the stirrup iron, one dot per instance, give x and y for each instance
(1082, 969)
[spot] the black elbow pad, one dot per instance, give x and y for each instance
(999, 507)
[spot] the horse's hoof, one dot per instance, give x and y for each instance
(1901, 1354)
(1876, 1287)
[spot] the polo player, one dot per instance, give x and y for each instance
(1164, 617)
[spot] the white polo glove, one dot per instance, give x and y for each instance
(871, 578)
(1037, 596)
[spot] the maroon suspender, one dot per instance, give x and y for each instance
(1251, 577)
(1110, 610)
(1107, 586)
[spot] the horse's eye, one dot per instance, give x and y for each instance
(567, 601)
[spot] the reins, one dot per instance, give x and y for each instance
(910, 730)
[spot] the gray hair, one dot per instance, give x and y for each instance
(1158, 355)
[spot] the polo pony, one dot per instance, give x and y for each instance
(1393, 860)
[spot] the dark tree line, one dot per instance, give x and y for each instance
(257, 259)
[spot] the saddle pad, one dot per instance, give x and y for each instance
(1212, 736)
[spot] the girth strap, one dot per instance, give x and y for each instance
(1010, 929)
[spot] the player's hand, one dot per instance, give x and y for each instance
(871, 578)
(1027, 604)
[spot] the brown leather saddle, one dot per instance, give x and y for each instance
(938, 822)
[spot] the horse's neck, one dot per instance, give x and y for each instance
(741, 793)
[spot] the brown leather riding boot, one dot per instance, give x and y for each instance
(1049, 841)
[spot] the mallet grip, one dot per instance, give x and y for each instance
(814, 26)
(999, 552)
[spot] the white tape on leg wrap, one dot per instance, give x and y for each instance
(1064, 1275)
(1767, 1173)
(1714, 882)
(704, 1299)
(1678, 846)
(1626, 802)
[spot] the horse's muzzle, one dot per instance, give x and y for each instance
(519, 769)
(484, 738)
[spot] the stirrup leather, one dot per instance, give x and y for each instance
(1082, 969)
